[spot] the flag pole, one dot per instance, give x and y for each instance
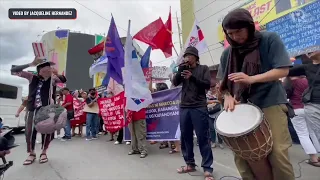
(179, 30)
(175, 50)
(195, 19)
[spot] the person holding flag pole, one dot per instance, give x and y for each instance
(138, 97)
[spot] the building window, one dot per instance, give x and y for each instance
(8, 92)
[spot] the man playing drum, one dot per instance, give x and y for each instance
(249, 71)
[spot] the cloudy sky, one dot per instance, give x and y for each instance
(16, 36)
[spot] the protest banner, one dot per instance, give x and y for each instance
(78, 107)
(162, 116)
(112, 112)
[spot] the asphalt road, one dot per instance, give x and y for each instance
(100, 160)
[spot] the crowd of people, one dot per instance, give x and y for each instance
(250, 71)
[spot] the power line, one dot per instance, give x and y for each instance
(269, 11)
(205, 6)
(219, 11)
(98, 15)
(177, 56)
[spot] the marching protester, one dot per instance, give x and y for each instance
(138, 132)
(195, 79)
(39, 95)
(250, 70)
(311, 99)
(91, 108)
(68, 104)
(80, 120)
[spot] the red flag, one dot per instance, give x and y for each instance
(158, 35)
(147, 34)
(200, 34)
(163, 39)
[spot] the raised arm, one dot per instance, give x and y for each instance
(18, 70)
(58, 78)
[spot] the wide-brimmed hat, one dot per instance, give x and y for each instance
(44, 64)
(192, 51)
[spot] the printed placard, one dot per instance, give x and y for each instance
(160, 72)
(112, 112)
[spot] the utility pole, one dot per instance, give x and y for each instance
(179, 31)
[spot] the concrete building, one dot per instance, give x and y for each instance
(69, 50)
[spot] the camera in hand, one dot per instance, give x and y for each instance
(184, 65)
(6, 143)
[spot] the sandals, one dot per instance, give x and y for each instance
(173, 146)
(143, 155)
(173, 151)
(186, 169)
(133, 152)
(163, 145)
(30, 161)
(43, 160)
(315, 164)
(208, 176)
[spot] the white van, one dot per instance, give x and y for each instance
(10, 101)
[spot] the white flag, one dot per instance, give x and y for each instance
(98, 66)
(135, 85)
(196, 39)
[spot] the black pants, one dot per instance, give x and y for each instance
(213, 132)
(101, 124)
(120, 136)
(196, 119)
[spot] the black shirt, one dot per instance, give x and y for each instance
(193, 93)
(309, 70)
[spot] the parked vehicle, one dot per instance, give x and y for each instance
(10, 101)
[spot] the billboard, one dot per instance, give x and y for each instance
(56, 47)
(79, 61)
(264, 11)
(299, 30)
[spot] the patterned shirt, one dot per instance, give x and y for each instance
(37, 102)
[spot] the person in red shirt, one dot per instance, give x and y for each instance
(68, 104)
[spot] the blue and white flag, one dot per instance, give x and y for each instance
(136, 87)
(98, 66)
